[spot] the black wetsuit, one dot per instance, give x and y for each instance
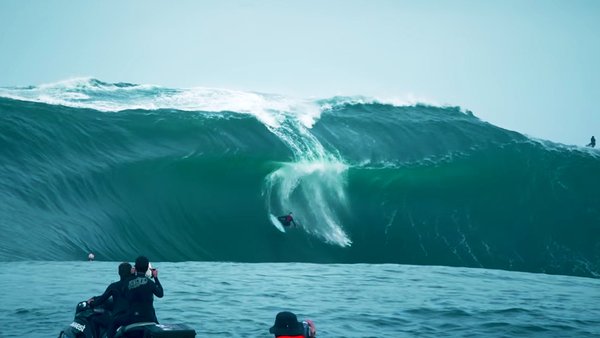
(140, 292)
(117, 291)
(119, 303)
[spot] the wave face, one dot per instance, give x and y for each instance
(195, 174)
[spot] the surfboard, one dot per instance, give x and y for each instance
(276, 223)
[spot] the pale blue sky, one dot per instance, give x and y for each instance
(529, 66)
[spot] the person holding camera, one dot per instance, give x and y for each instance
(141, 291)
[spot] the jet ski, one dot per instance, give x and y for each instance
(92, 322)
(89, 322)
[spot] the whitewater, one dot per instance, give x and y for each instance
(193, 177)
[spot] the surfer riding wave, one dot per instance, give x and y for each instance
(287, 220)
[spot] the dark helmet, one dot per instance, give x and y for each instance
(286, 324)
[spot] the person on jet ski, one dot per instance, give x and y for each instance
(287, 325)
(117, 291)
(140, 294)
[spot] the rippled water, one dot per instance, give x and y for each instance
(359, 300)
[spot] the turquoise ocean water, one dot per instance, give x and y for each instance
(378, 186)
(344, 300)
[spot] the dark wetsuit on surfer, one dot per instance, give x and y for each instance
(287, 220)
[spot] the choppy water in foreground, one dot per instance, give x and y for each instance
(354, 300)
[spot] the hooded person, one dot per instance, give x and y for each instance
(287, 326)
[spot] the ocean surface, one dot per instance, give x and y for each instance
(344, 300)
(382, 191)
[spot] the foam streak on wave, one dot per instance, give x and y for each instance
(313, 186)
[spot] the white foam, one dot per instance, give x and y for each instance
(407, 100)
(270, 109)
(316, 192)
(93, 94)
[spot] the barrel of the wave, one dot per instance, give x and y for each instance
(316, 192)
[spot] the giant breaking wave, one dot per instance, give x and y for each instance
(194, 174)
